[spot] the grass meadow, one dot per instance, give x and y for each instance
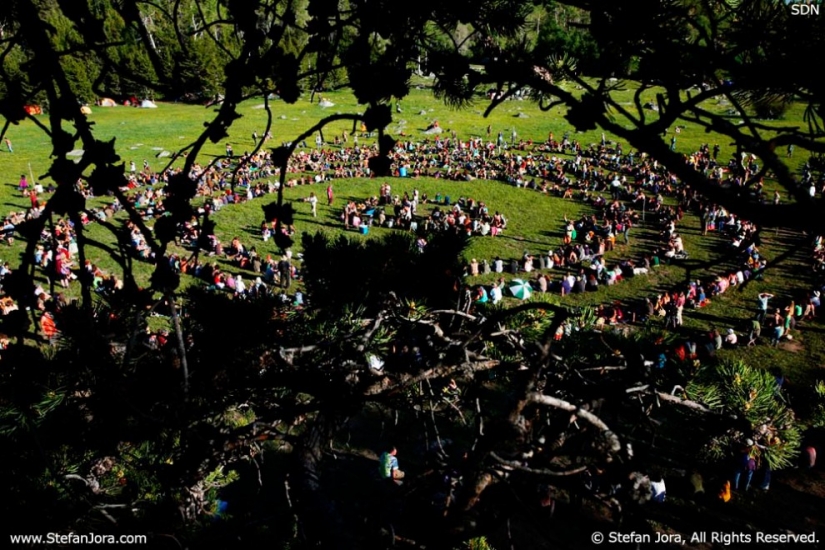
(535, 220)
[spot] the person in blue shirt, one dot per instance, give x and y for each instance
(388, 465)
(763, 306)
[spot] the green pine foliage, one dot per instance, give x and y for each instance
(753, 397)
(818, 415)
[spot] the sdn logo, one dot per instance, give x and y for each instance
(804, 7)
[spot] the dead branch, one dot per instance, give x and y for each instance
(510, 464)
(587, 416)
(405, 380)
(693, 405)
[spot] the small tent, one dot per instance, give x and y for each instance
(85, 110)
(148, 104)
(107, 102)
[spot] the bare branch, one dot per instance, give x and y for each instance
(588, 416)
(538, 471)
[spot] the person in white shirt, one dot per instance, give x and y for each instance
(495, 294)
(658, 490)
(498, 265)
(313, 203)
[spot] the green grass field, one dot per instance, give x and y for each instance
(535, 220)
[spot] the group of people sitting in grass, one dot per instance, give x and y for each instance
(466, 215)
(617, 183)
(596, 168)
(818, 256)
(583, 255)
(269, 272)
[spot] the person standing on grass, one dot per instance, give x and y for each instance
(763, 306)
(285, 272)
(8, 145)
(313, 203)
(330, 195)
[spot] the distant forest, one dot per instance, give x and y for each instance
(177, 50)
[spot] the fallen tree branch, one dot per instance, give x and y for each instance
(587, 416)
(75, 476)
(405, 380)
(603, 369)
(539, 471)
(693, 405)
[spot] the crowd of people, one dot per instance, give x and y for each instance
(465, 215)
(623, 190)
(614, 182)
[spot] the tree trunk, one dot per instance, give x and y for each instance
(321, 520)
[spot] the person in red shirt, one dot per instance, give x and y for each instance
(48, 326)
